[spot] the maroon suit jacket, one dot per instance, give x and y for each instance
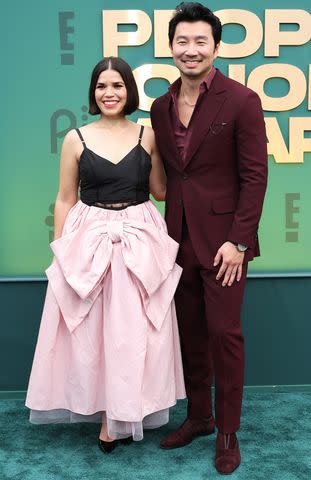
(221, 184)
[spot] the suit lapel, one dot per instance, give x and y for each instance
(207, 112)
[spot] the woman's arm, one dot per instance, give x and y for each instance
(157, 179)
(68, 182)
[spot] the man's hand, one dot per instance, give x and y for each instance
(231, 267)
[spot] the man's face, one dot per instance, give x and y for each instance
(193, 49)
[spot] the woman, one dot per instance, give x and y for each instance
(108, 347)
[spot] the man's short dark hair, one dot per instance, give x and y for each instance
(194, 12)
(120, 66)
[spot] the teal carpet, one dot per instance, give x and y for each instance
(275, 441)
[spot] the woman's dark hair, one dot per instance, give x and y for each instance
(120, 66)
(194, 12)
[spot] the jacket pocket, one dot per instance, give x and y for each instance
(218, 127)
(224, 205)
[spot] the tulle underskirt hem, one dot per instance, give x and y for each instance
(116, 429)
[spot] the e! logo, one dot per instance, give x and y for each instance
(291, 222)
(67, 56)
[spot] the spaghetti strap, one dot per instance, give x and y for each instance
(80, 136)
(141, 134)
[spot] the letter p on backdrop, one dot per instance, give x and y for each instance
(113, 39)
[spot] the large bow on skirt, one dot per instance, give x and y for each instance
(82, 258)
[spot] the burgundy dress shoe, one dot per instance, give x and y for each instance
(228, 456)
(189, 430)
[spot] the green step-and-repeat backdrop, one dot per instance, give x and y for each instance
(48, 52)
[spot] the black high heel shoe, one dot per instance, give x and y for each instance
(126, 441)
(108, 447)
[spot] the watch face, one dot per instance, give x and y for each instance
(241, 248)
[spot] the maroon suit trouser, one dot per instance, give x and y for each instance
(211, 339)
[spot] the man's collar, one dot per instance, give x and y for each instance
(205, 85)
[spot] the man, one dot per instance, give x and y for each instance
(211, 134)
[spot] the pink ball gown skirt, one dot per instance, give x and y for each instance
(108, 346)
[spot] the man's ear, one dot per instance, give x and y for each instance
(216, 50)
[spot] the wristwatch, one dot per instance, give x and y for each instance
(240, 247)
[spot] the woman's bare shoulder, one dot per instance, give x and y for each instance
(148, 135)
(72, 145)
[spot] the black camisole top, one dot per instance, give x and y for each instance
(103, 182)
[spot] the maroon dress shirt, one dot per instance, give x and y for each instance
(182, 133)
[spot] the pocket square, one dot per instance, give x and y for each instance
(216, 128)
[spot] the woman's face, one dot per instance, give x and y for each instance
(110, 93)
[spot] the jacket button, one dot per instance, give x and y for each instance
(184, 176)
